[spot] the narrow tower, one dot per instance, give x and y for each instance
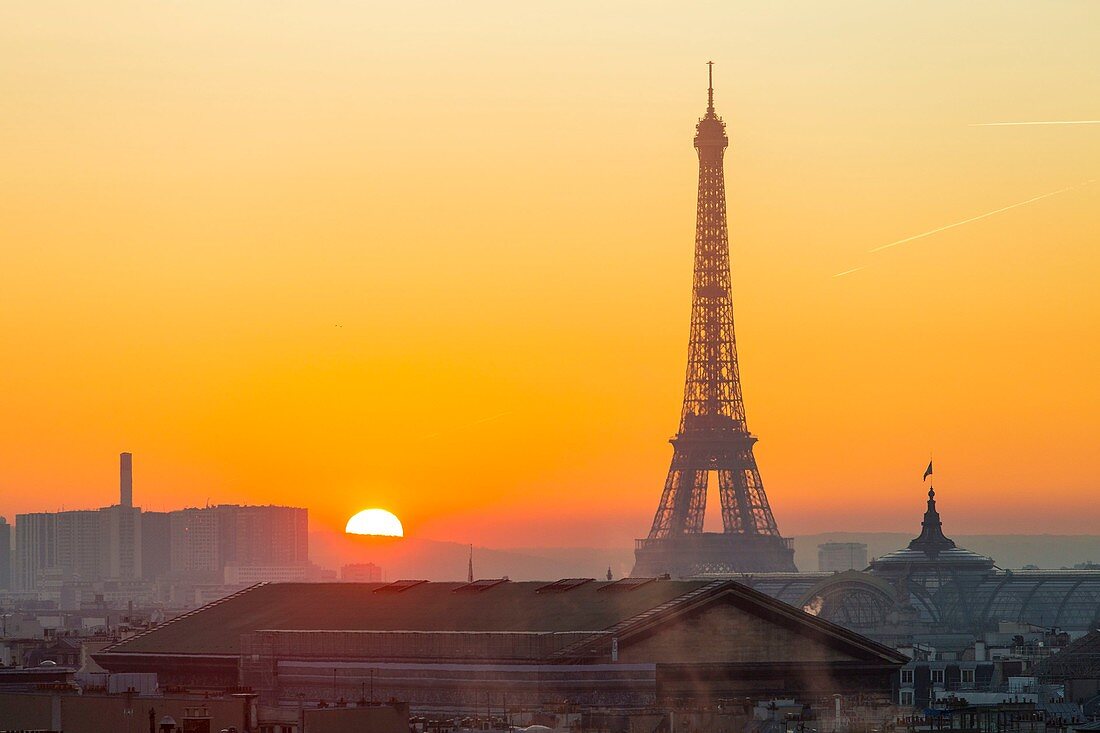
(126, 479)
(713, 434)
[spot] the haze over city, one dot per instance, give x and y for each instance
(567, 368)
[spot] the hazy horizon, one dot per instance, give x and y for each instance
(434, 560)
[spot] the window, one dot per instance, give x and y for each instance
(937, 677)
(968, 676)
(906, 697)
(907, 677)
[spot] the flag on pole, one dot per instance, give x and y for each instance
(927, 472)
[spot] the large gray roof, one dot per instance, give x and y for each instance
(506, 606)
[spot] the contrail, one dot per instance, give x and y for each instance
(1042, 122)
(848, 272)
(980, 216)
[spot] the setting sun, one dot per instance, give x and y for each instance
(375, 522)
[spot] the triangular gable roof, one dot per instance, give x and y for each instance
(749, 600)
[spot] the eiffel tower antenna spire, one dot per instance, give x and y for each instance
(713, 437)
(710, 87)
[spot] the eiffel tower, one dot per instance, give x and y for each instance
(713, 435)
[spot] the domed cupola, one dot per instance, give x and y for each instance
(931, 549)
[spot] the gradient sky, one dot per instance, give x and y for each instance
(436, 257)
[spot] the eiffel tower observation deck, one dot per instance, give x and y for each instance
(713, 437)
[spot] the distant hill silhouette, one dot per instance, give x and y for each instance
(1009, 551)
(433, 560)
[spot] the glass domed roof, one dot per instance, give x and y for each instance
(931, 548)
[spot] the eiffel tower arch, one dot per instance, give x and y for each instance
(713, 435)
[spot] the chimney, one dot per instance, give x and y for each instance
(126, 479)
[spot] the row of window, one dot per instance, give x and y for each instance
(937, 676)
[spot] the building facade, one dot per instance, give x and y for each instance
(836, 557)
(35, 548)
(204, 543)
(156, 545)
(121, 537)
(366, 572)
(195, 544)
(578, 642)
(79, 538)
(5, 555)
(121, 552)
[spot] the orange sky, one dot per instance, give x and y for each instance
(436, 257)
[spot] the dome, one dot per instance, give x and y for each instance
(931, 549)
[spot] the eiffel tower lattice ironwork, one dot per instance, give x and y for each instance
(713, 437)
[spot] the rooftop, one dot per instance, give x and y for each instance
(402, 606)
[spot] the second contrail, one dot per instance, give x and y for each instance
(987, 214)
(1040, 122)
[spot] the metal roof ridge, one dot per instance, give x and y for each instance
(824, 625)
(640, 617)
(182, 616)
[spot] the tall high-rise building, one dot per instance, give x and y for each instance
(121, 536)
(269, 535)
(85, 545)
(120, 543)
(204, 541)
(713, 441)
(195, 544)
(79, 552)
(5, 554)
(156, 545)
(126, 479)
(35, 548)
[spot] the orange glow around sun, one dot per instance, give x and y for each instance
(377, 522)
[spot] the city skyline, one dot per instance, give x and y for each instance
(240, 261)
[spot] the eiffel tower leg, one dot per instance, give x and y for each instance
(683, 504)
(758, 500)
(734, 506)
(697, 507)
(745, 506)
